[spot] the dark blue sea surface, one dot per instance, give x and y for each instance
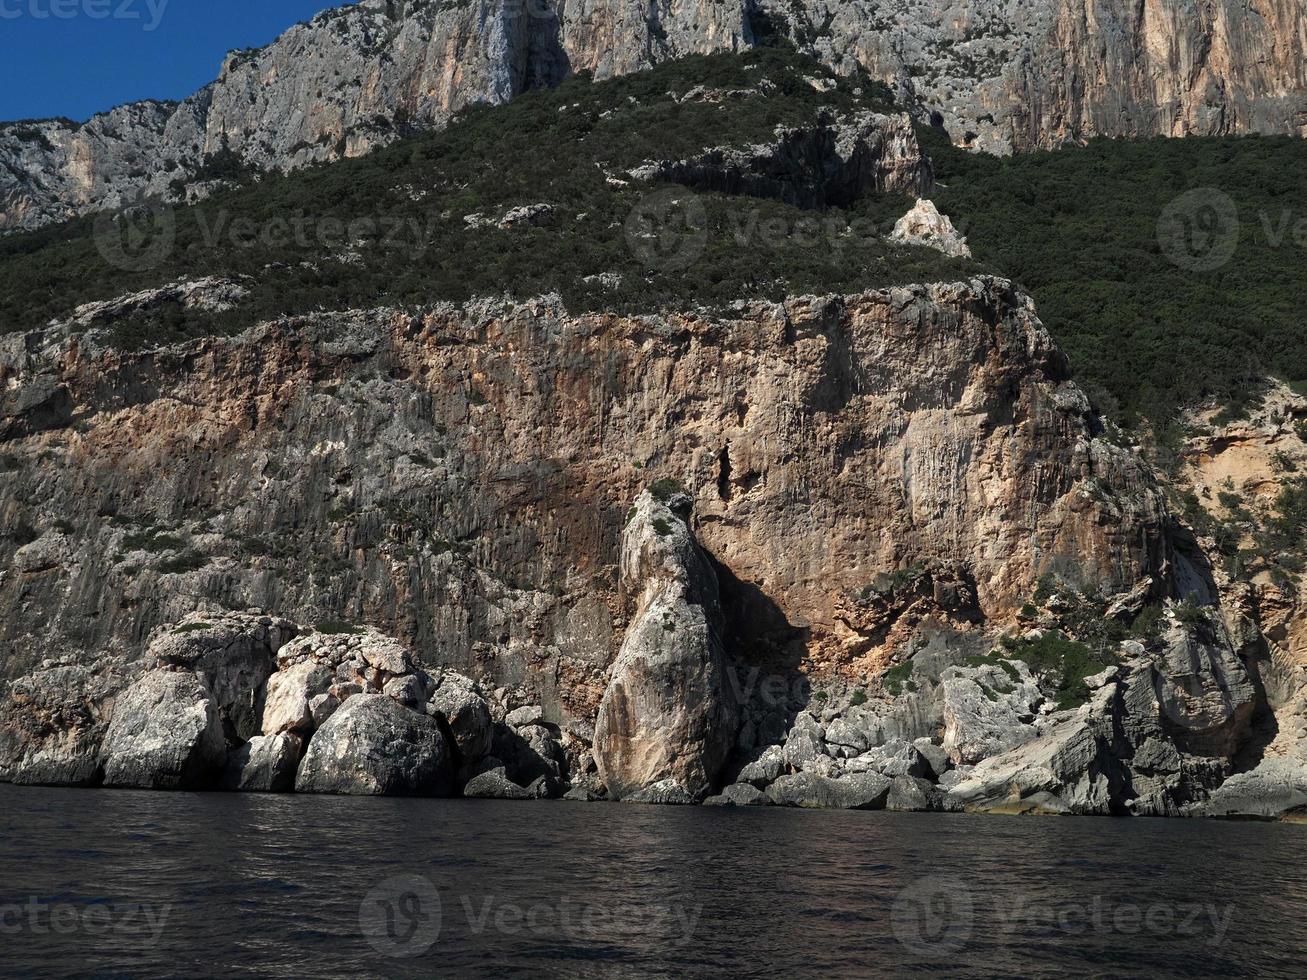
(104, 883)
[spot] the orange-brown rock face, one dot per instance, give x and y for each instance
(1170, 68)
(461, 478)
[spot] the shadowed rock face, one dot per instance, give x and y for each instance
(461, 479)
(813, 167)
(998, 74)
(669, 713)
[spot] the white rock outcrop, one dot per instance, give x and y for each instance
(925, 225)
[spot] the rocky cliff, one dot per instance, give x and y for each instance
(864, 550)
(1005, 74)
(997, 74)
(461, 477)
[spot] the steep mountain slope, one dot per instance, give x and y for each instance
(998, 74)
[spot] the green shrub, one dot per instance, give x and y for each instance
(414, 253)
(899, 678)
(1079, 228)
(1190, 613)
(335, 627)
(665, 489)
(1147, 625)
(1063, 664)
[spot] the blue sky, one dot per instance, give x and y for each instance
(78, 57)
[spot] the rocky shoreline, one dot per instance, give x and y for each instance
(256, 703)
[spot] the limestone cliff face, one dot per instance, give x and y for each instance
(1006, 74)
(998, 74)
(461, 478)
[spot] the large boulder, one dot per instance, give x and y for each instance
(494, 784)
(988, 709)
(668, 712)
(531, 753)
(911, 794)
(895, 758)
(235, 653)
(739, 794)
(166, 733)
(1275, 789)
(805, 743)
(289, 696)
(1072, 768)
(374, 746)
(859, 791)
(665, 792)
(264, 764)
(925, 225)
(765, 769)
(467, 715)
(845, 738)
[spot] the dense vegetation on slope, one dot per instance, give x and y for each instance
(1152, 323)
(1161, 294)
(390, 228)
